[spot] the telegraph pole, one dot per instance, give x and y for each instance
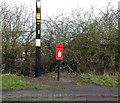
(38, 41)
(118, 60)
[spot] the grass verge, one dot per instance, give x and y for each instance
(39, 96)
(15, 82)
(53, 96)
(103, 80)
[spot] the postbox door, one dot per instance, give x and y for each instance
(59, 52)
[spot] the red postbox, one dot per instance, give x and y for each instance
(59, 51)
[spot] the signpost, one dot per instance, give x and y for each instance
(59, 57)
(38, 42)
(118, 60)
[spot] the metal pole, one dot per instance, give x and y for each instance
(58, 70)
(38, 41)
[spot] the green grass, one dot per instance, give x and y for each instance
(103, 80)
(10, 81)
(44, 96)
(38, 96)
(15, 82)
(52, 96)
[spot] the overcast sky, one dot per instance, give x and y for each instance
(57, 7)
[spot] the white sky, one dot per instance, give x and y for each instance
(57, 7)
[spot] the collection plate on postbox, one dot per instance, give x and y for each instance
(59, 51)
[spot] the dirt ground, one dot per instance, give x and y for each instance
(49, 81)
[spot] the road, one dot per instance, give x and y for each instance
(95, 93)
(75, 91)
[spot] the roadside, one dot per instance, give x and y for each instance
(70, 87)
(40, 100)
(75, 94)
(73, 80)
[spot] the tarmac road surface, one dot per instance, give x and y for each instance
(87, 94)
(104, 91)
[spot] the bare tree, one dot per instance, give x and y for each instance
(18, 32)
(90, 41)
